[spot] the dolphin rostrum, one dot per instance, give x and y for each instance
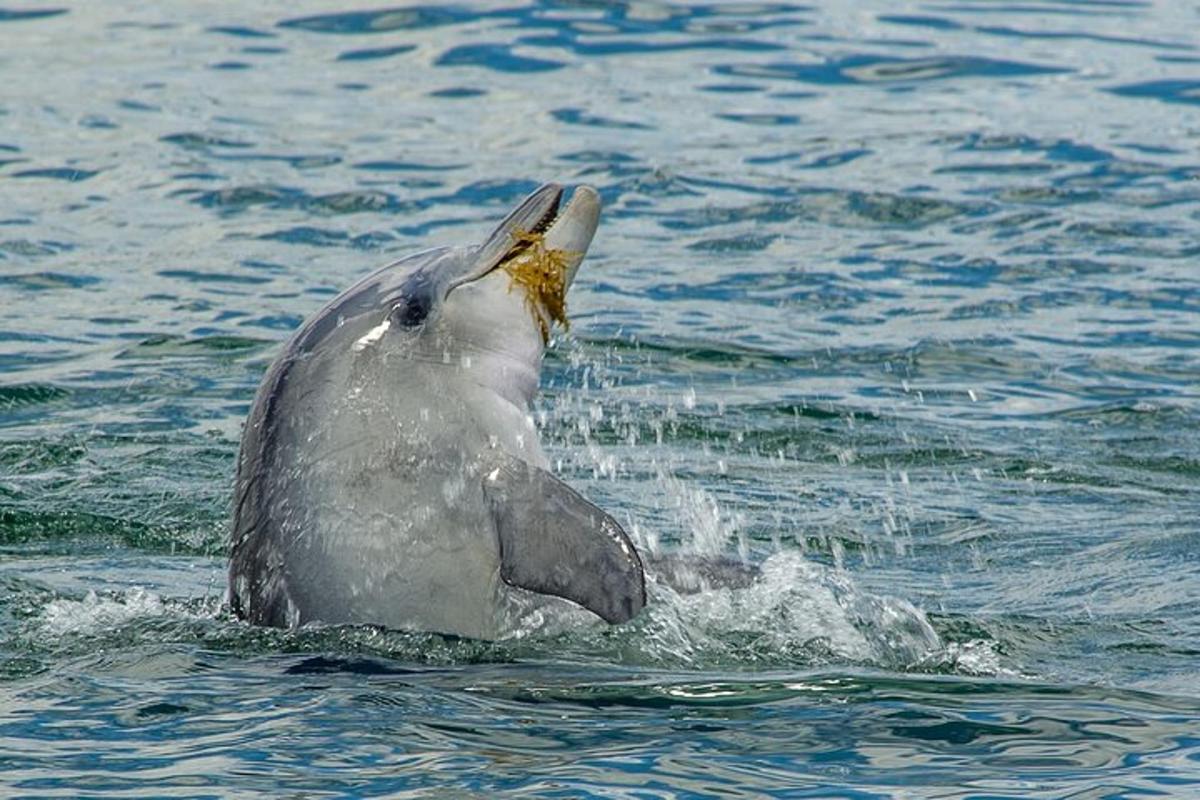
(390, 472)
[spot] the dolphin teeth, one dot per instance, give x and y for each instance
(545, 223)
(550, 217)
(522, 239)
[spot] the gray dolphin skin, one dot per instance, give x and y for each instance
(390, 472)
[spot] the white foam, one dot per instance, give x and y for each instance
(976, 657)
(97, 614)
(796, 609)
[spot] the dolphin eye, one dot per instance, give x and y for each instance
(411, 311)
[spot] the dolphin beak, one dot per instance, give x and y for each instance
(569, 230)
(572, 230)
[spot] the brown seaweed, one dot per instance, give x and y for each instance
(542, 272)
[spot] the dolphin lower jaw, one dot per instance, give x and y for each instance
(572, 230)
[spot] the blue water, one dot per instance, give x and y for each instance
(899, 300)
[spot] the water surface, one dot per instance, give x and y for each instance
(900, 301)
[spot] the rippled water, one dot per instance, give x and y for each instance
(899, 299)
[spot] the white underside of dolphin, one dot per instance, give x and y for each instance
(390, 471)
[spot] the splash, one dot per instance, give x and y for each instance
(96, 614)
(974, 657)
(797, 612)
(542, 272)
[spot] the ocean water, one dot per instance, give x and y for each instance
(900, 300)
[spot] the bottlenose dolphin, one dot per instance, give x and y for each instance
(390, 472)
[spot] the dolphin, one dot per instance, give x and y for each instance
(390, 472)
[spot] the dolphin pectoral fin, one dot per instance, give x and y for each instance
(553, 541)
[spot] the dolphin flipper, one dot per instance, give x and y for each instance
(553, 541)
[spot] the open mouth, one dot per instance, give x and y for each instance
(539, 245)
(551, 215)
(524, 239)
(541, 273)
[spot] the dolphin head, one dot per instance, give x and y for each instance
(514, 283)
(533, 255)
(489, 305)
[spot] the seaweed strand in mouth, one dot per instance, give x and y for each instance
(542, 272)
